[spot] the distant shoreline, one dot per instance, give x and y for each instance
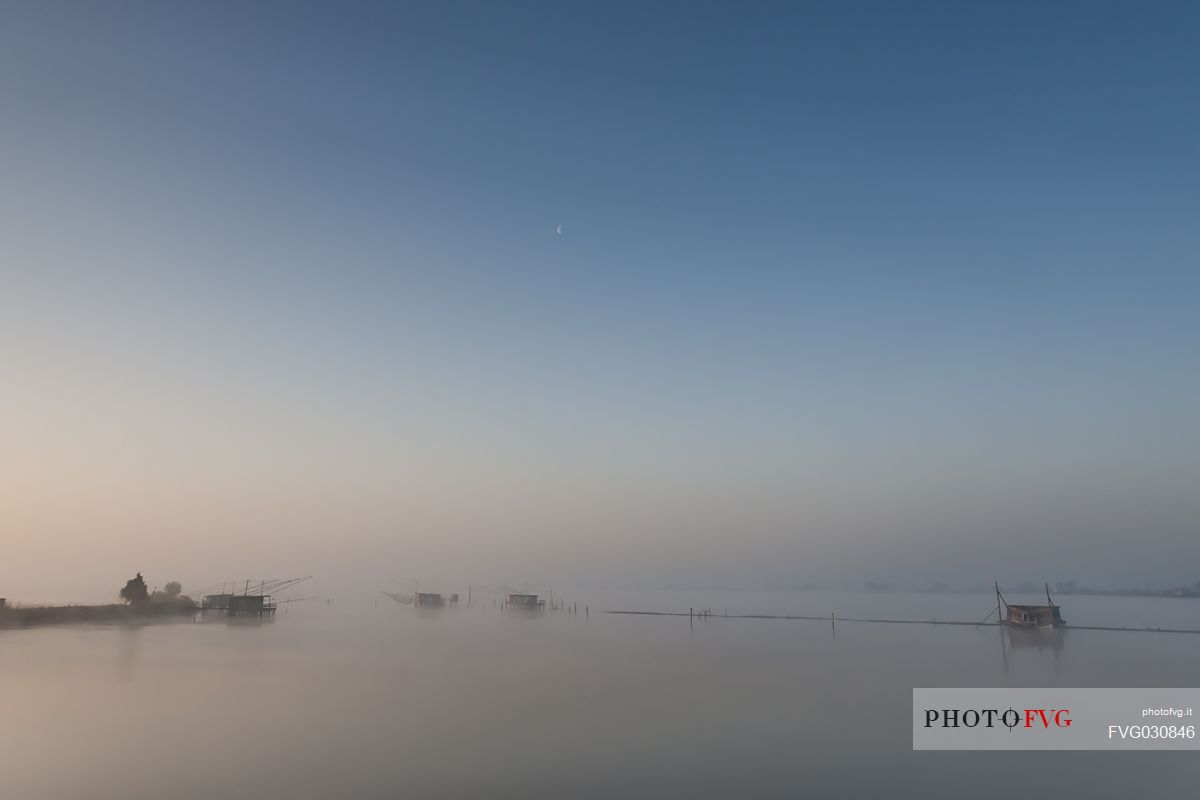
(1019, 589)
(37, 616)
(1178, 593)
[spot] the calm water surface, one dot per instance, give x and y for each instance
(356, 701)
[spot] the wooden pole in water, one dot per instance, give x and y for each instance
(999, 603)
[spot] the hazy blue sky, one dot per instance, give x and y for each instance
(842, 289)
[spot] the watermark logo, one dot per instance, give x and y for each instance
(1054, 719)
(991, 717)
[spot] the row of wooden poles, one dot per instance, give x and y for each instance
(833, 618)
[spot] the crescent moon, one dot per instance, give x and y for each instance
(558, 230)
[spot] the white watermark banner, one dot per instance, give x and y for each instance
(1055, 719)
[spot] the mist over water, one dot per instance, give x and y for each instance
(354, 700)
(594, 296)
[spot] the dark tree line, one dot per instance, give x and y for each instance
(135, 592)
